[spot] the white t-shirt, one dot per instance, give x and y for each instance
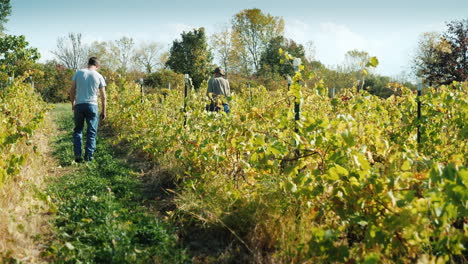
(88, 83)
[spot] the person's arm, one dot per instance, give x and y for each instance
(228, 88)
(102, 92)
(73, 94)
(210, 87)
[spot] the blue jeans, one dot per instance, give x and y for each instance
(226, 108)
(214, 108)
(88, 112)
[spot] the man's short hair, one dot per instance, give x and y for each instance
(93, 61)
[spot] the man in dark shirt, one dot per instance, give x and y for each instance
(218, 90)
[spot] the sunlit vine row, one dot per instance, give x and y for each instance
(21, 112)
(348, 182)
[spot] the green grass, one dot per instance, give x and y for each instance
(100, 217)
(63, 145)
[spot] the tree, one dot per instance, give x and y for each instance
(310, 51)
(123, 51)
(54, 81)
(358, 64)
(5, 11)
(255, 30)
(164, 57)
(191, 55)
(71, 51)
(442, 58)
(457, 38)
(223, 46)
(356, 60)
(16, 57)
(337, 77)
(427, 62)
(148, 56)
(162, 78)
(102, 51)
(270, 59)
(378, 85)
(239, 61)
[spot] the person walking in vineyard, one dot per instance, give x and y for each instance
(218, 90)
(84, 98)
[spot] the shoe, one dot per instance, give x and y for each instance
(78, 159)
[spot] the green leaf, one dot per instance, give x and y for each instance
(373, 62)
(178, 154)
(372, 258)
(406, 166)
(340, 170)
(69, 246)
(291, 186)
(348, 138)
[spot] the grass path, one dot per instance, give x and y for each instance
(99, 214)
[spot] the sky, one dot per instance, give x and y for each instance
(386, 29)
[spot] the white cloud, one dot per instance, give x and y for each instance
(333, 40)
(298, 30)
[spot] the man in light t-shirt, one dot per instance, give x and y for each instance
(83, 94)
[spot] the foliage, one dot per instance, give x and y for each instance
(162, 78)
(121, 55)
(99, 216)
(102, 51)
(16, 57)
(239, 59)
(53, 81)
(190, 55)
(254, 30)
(270, 58)
(337, 77)
(442, 59)
(19, 118)
(378, 85)
(457, 36)
(5, 11)
(355, 73)
(71, 52)
(346, 183)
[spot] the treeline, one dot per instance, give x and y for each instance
(247, 48)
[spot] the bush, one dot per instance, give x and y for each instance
(161, 79)
(53, 81)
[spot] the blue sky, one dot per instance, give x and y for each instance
(386, 29)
